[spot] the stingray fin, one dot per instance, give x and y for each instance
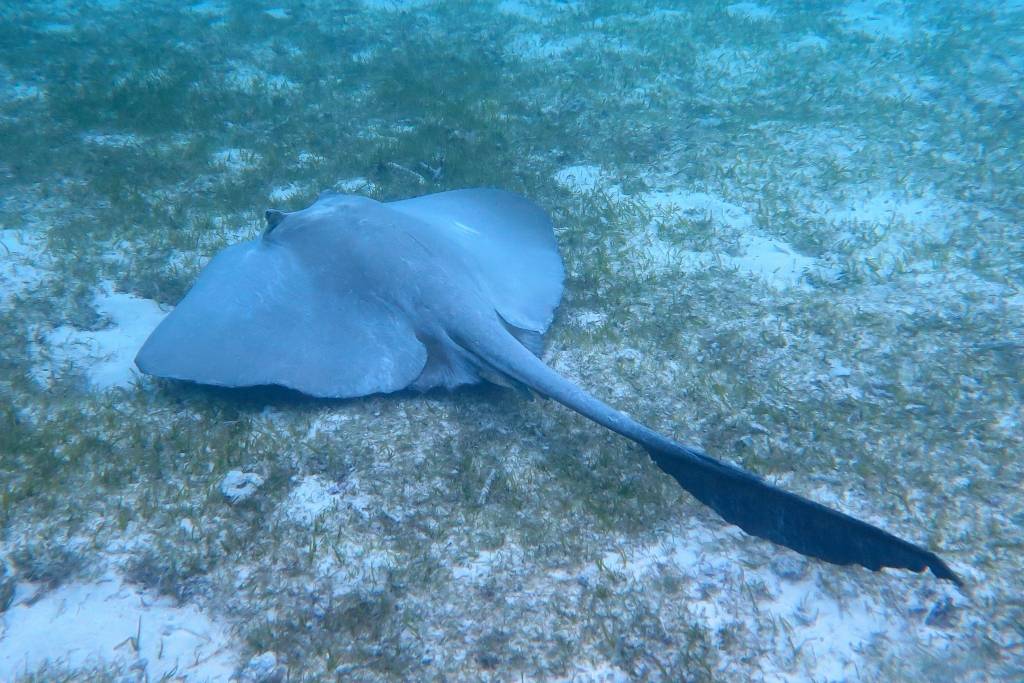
(528, 338)
(509, 244)
(260, 314)
(448, 366)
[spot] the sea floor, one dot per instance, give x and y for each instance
(793, 234)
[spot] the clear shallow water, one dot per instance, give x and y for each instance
(793, 236)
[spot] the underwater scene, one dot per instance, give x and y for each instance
(316, 319)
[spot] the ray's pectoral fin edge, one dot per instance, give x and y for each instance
(785, 518)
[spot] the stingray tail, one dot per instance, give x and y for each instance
(785, 518)
(740, 497)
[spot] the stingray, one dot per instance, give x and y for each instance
(352, 296)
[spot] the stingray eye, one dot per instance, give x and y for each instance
(274, 218)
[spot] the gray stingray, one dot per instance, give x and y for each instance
(351, 296)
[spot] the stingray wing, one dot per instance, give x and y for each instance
(508, 242)
(261, 314)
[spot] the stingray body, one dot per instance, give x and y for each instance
(351, 296)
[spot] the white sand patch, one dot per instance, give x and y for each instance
(16, 92)
(155, 77)
(810, 42)
(93, 624)
(888, 207)
(238, 486)
(364, 56)
(595, 673)
(310, 499)
(396, 5)
(283, 193)
(830, 638)
(355, 185)
(959, 282)
(350, 565)
(891, 227)
(751, 11)
(521, 10)
(920, 87)
(698, 205)
(477, 568)
(358, 185)
(236, 159)
(536, 46)
(248, 79)
(768, 259)
(825, 142)
(20, 252)
(263, 668)
(327, 424)
(587, 318)
(726, 67)
(209, 9)
(355, 499)
(57, 27)
(310, 159)
(759, 255)
(876, 19)
(581, 178)
(773, 261)
(107, 356)
(995, 77)
(355, 567)
(480, 566)
(111, 139)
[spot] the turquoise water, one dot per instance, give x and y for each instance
(791, 234)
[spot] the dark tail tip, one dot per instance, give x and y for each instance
(940, 569)
(790, 520)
